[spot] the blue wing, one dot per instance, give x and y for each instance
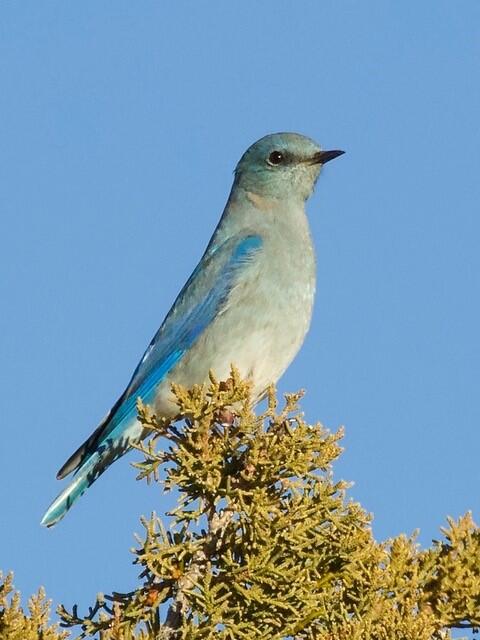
(201, 299)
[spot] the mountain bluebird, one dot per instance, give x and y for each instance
(248, 302)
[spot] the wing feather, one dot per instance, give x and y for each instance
(200, 301)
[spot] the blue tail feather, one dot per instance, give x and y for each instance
(107, 452)
(198, 304)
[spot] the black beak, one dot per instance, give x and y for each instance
(325, 156)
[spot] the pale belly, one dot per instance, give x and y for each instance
(260, 332)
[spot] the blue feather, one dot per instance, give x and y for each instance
(175, 338)
(196, 307)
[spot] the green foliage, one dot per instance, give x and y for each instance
(16, 625)
(265, 544)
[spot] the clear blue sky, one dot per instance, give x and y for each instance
(120, 125)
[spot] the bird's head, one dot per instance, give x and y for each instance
(282, 165)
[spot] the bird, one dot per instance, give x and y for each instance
(248, 302)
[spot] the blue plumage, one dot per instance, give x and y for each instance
(168, 346)
(248, 302)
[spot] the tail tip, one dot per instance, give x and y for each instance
(49, 520)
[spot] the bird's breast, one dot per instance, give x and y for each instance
(263, 323)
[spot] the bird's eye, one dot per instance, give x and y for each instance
(276, 157)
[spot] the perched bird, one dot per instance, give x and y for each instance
(248, 302)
